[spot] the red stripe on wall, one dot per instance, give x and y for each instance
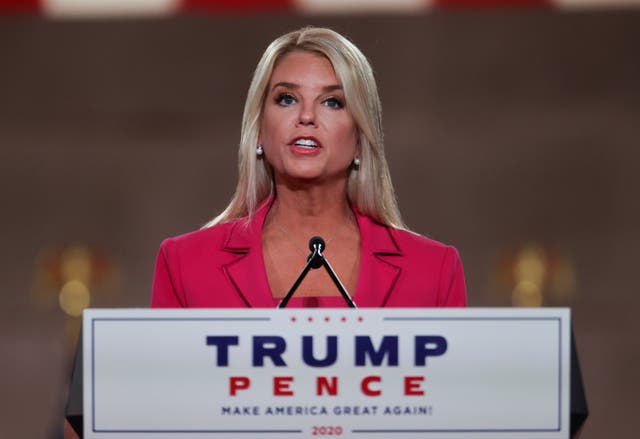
(236, 5)
(19, 6)
(491, 3)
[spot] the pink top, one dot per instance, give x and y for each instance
(223, 267)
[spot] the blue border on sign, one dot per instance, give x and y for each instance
(133, 319)
(357, 431)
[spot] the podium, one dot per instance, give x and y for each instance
(245, 373)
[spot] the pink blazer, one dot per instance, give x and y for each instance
(222, 267)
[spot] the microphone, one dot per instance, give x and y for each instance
(316, 260)
(316, 241)
(316, 245)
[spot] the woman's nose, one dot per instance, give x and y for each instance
(307, 115)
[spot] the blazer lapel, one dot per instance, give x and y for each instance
(246, 272)
(378, 272)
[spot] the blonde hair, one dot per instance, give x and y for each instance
(369, 187)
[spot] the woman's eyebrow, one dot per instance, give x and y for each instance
(292, 85)
(328, 88)
(285, 85)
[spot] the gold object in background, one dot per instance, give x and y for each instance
(71, 274)
(74, 297)
(534, 275)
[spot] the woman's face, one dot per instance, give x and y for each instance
(306, 130)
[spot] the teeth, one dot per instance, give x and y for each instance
(306, 142)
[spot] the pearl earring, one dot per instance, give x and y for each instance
(356, 162)
(259, 150)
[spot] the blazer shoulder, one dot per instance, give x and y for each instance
(214, 237)
(444, 262)
(185, 265)
(412, 241)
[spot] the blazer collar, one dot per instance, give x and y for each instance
(247, 272)
(378, 271)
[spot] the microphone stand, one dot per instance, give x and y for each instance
(316, 260)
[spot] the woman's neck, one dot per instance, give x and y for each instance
(310, 209)
(296, 216)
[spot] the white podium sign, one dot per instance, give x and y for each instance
(303, 373)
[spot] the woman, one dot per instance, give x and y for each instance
(311, 163)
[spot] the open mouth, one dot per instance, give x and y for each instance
(308, 143)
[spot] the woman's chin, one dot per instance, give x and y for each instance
(306, 172)
(304, 178)
(310, 178)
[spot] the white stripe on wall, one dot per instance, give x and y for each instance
(107, 8)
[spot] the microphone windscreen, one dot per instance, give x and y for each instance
(316, 241)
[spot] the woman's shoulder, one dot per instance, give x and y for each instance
(431, 269)
(386, 239)
(238, 234)
(408, 238)
(417, 246)
(415, 238)
(390, 239)
(211, 237)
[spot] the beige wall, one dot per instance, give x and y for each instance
(501, 129)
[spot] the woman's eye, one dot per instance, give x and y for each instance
(334, 103)
(285, 99)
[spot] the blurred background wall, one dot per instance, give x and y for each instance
(519, 128)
